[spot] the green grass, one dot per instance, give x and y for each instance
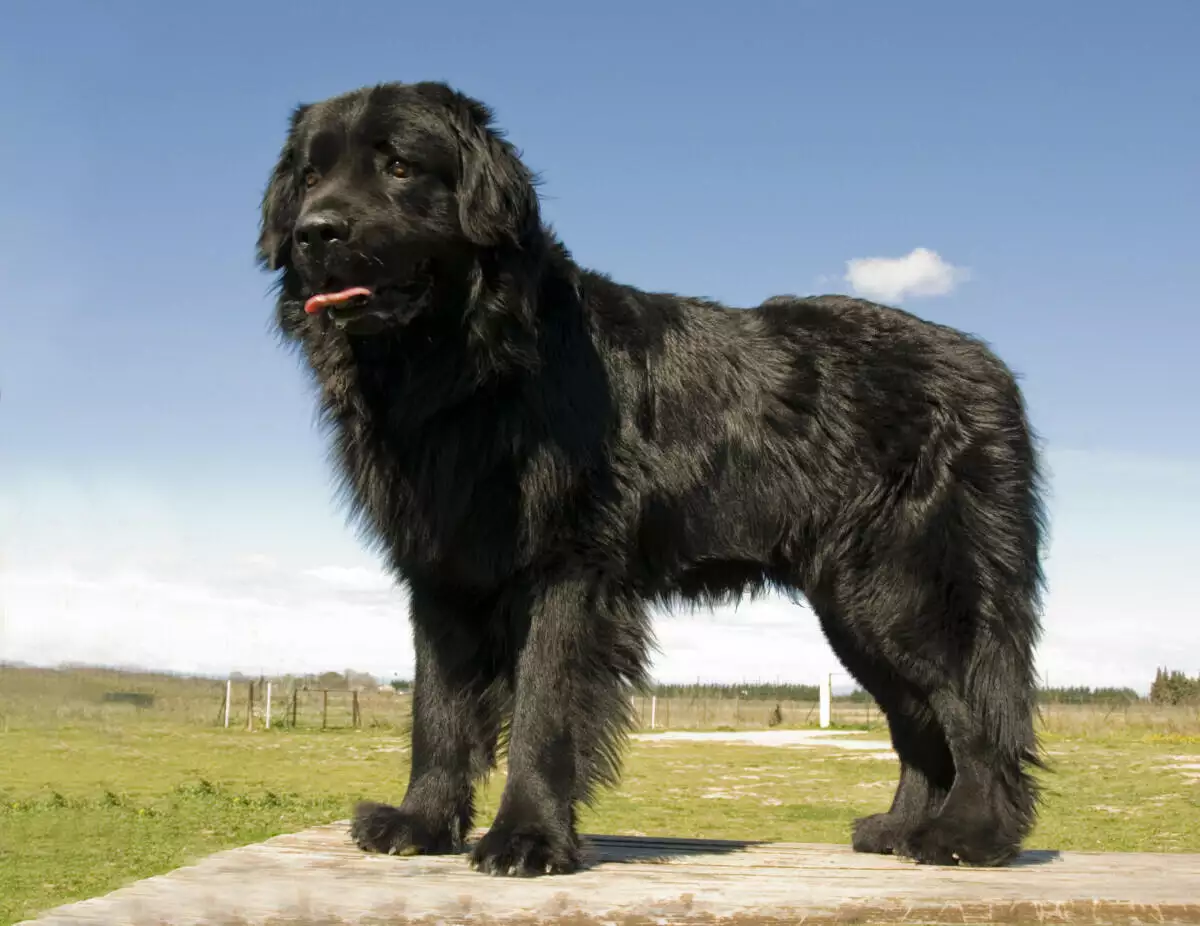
(84, 810)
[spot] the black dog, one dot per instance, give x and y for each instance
(540, 452)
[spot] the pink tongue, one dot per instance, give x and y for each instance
(324, 300)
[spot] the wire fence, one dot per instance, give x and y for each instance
(45, 698)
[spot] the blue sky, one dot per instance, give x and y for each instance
(1028, 172)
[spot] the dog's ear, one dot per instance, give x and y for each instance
(497, 198)
(280, 205)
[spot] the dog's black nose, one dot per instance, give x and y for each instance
(318, 229)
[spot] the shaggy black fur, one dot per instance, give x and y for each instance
(540, 452)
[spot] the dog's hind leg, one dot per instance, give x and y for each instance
(926, 765)
(586, 646)
(460, 695)
(960, 710)
(941, 618)
(979, 551)
(926, 774)
(987, 711)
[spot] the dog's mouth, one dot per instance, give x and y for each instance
(366, 309)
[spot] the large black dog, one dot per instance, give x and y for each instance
(541, 452)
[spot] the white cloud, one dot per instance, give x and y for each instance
(920, 272)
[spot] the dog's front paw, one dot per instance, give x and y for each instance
(524, 850)
(879, 833)
(396, 831)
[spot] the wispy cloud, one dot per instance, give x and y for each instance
(920, 272)
(276, 621)
(357, 578)
(139, 591)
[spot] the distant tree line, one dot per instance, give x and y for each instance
(1170, 687)
(1174, 688)
(783, 692)
(747, 691)
(346, 680)
(1082, 695)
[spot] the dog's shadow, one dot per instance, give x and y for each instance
(609, 850)
(623, 849)
(1031, 858)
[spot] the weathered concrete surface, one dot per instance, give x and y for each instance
(318, 877)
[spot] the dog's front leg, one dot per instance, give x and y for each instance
(585, 646)
(460, 694)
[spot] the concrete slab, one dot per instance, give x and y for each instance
(319, 877)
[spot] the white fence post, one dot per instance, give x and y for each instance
(268, 705)
(826, 700)
(653, 709)
(228, 698)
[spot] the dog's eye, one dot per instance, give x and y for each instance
(311, 178)
(397, 168)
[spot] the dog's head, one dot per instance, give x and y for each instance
(385, 196)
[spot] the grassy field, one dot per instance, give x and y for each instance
(93, 795)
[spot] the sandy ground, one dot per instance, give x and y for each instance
(838, 739)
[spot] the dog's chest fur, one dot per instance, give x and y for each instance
(445, 476)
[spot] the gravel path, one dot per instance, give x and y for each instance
(838, 739)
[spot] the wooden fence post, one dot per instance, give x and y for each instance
(354, 715)
(295, 705)
(324, 707)
(250, 709)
